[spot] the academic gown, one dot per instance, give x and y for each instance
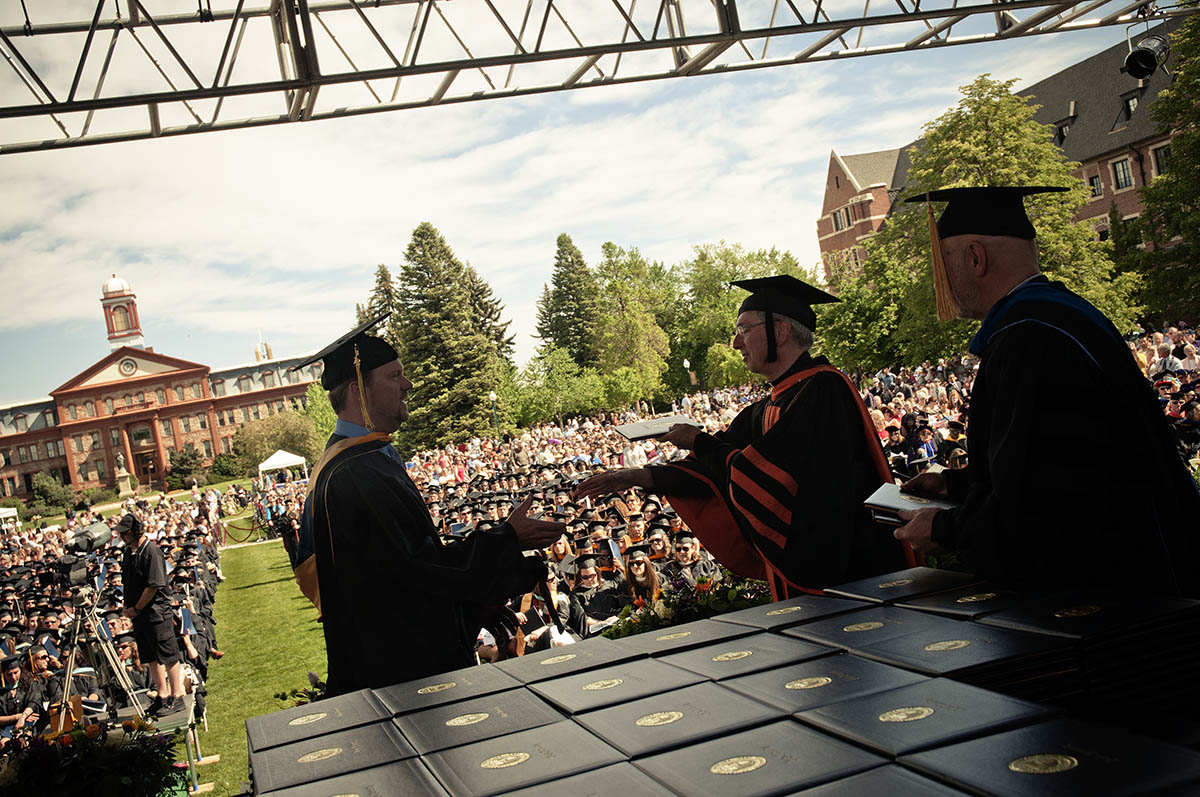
(397, 603)
(793, 470)
(1074, 481)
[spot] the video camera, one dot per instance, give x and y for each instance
(72, 569)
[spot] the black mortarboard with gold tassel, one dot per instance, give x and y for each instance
(350, 357)
(990, 210)
(782, 295)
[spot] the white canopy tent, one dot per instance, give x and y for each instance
(282, 459)
(9, 514)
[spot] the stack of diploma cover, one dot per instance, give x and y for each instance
(888, 501)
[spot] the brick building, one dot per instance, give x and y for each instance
(1099, 115)
(141, 405)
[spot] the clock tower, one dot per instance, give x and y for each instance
(120, 314)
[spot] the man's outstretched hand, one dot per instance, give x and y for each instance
(533, 534)
(614, 481)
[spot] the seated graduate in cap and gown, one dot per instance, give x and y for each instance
(1039, 504)
(779, 494)
(397, 602)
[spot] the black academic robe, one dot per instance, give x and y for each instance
(795, 489)
(397, 603)
(688, 574)
(1074, 481)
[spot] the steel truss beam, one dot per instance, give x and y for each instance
(126, 73)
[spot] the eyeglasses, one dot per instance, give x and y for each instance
(741, 329)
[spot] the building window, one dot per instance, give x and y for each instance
(179, 394)
(96, 440)
(33, 453)
(128, 399)
(120, 317)
(77, 442)
(23, 453)
(207, 449)
(141, 434)
(225, 447)
(51, 419)
(186, 423)
(202, 421)
(218, 387)
(1095, 185)
(161, 395)
(114, 436)
(21, 423)
(100, 473)
(59, 445)
(268, 379)
(838, 224)
(1122, 176)
(71, 411)
(1162, 159)
(90, 409)
(254, 412)
(83, 471)
(196, 390)
(1060, 133)
(166, 429)
(141, 398)
(1129, 105)
(243, 384)
(108, 406)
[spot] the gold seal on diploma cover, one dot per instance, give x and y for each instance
(809, 683)
(308, 719)
(784, 610)
(1043, 764)
(557, 659)
(347, 794)
(947, 644)
(976, 598)
(429, 690)
(1076, 611)
(607, 683)
(862, 627)
(466, 719)
(916, 499)
(659, 718)
(504, 760)
(906, 714)
(733, 655)
(668, 637)
(319, 755)
(900, 582)
(738, 765)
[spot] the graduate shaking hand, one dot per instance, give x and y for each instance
(533, 534)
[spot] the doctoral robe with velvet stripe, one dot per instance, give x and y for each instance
(788, 478)
(397, 603)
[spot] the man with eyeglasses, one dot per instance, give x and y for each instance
(148, 605)
(778, 495)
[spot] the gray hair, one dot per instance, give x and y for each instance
(800, 333)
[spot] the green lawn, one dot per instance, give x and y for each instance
(271, 638)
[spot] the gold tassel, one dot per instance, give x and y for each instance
(362, 394)
(947, 307)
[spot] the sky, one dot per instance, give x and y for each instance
(277, 231)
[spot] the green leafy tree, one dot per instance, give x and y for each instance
(628, 332)
(1171, 221)
(225, 466)
(989, 138)
(49, 495)
(253, 442)
(446, 350)
(723, 367)
(187, 463)
(318, 410)
(554, 386)
(567, 310)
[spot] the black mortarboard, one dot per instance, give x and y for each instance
(638, 552)
(356, 345)
(993, 210)
(782, 295)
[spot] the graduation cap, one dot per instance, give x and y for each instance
(992, 210)
(352, 355)
(782, 295)
(638, 552)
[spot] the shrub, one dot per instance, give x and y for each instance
(225, 466)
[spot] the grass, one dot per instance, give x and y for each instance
(115, 507)
(270, 636)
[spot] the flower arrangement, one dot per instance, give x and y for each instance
(315, 691)
(91, 760)
(683, 603)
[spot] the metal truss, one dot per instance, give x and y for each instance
(149, 68)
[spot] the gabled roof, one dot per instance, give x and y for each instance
(108, 370)
(872, 168)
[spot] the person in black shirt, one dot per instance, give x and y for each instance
(149, 606)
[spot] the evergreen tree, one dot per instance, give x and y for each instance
(452, 362)
(567, 309)
(488, 310)
(989, 139)
(1171, 222)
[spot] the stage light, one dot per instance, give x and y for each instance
(1145, 59)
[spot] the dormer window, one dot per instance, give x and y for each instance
(1129, 104)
